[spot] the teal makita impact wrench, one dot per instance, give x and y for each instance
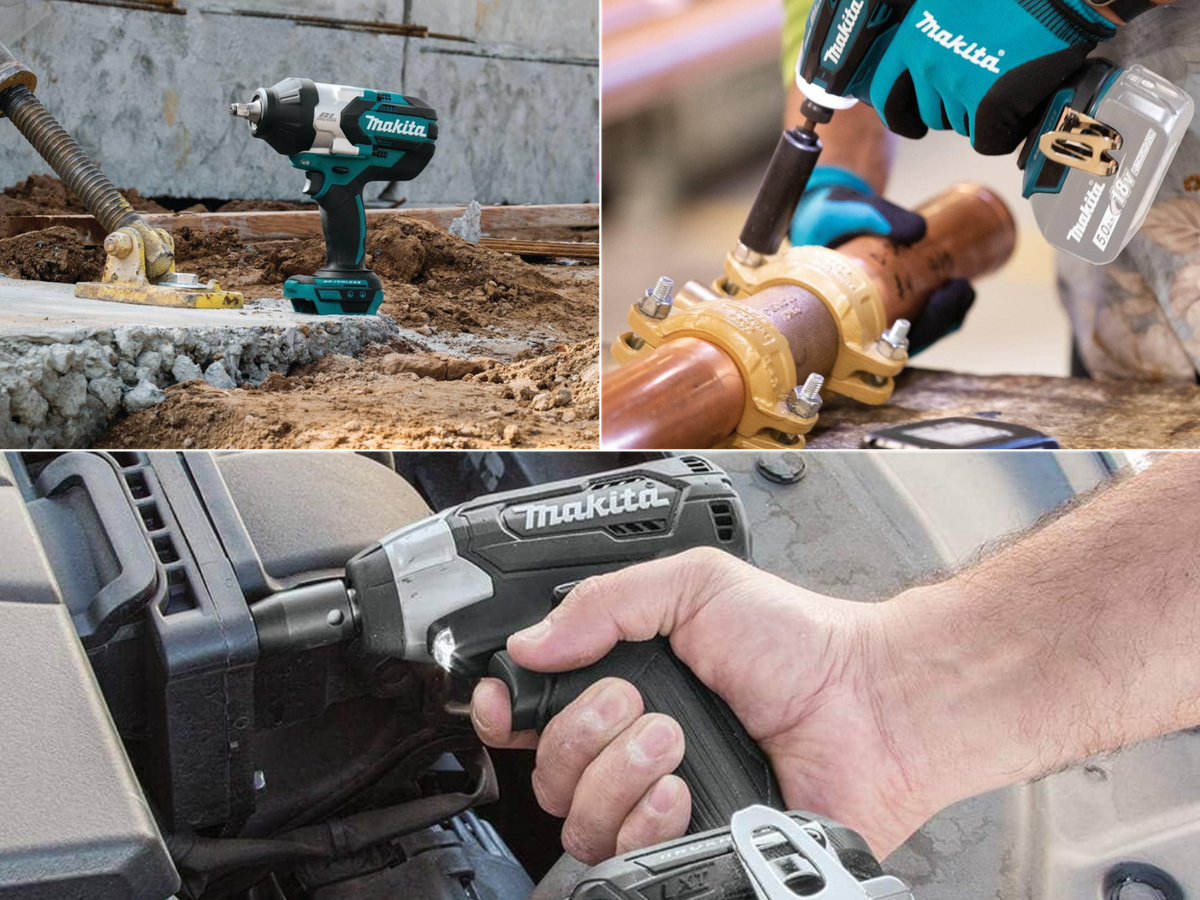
(343, 138)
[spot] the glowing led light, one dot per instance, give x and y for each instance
(443, 649)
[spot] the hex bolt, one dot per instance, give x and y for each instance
(657, 303)
(806, 400)
(894, 342)
(782, 468)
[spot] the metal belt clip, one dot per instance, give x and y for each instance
(1084, 143)
(811, 871)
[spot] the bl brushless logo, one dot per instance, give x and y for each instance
(406, 127)
(972, 53)
(627, 501)
(844, 33)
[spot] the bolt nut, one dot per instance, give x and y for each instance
(894, 343)
(806, 401)
(655, 309)
(118, 245)
(657, 304)
(804, 407)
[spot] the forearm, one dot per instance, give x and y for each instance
(856, 140)
(1079, 639)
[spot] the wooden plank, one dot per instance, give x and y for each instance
(1081, 414)
(267, 226)
(562, 249)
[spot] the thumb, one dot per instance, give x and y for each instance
(634, 604)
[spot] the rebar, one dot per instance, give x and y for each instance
(68, 159)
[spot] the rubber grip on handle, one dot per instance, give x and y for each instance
(344, 222)
(723, 767)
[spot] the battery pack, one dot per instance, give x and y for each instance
(1101, 155)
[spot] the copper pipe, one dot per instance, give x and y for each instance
(805, 323)
(970, 234)
(687, 393)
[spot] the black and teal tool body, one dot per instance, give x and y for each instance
(343, 138)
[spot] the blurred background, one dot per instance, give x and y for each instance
(693, 105)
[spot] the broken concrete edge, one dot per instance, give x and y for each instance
(467, 225)
(60, 389)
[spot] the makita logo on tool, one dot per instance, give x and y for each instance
(618, 501)
(972, 53)
(1090, 202)
(844, 32)
(396, 126)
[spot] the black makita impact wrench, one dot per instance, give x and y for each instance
(343, 138)
(450, 590)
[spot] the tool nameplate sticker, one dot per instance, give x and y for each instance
(1094, 218)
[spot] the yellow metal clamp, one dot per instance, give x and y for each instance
(746, 335)
(861, 372)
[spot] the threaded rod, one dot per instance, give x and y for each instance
(82, 176)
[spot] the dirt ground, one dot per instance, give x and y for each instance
(523, 369)
(40, 195)
(386, 399)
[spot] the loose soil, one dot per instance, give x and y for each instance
(432, 280)
(386, 398)
(443, 290)
(43, 195)
(57, 254)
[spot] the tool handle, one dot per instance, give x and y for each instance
(344, 222)
(722, 765)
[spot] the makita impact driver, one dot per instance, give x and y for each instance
(343, 138)
(451, 589)
(1093, 166)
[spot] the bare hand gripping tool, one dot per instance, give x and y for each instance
(453, 588)
(449, 590)
(343, 138)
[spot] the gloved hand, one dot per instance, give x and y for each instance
(983, 68)
(839, 206)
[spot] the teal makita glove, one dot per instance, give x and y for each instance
(839, 206)
(983, 68)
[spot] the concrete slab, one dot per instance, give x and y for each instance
(34, 307)
(67, 366)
